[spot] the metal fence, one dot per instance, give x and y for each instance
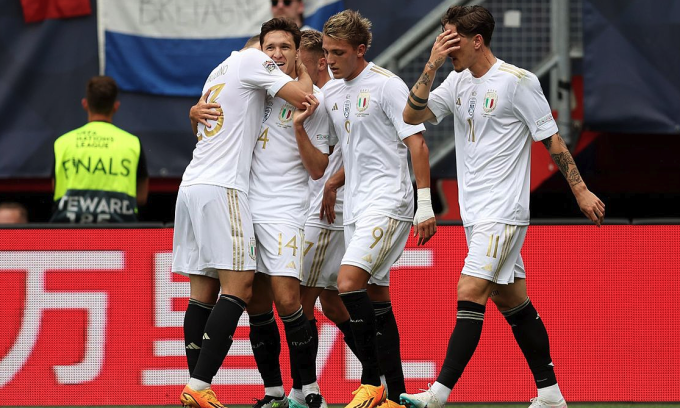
(523, 37)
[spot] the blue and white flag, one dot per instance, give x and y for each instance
(169, 47)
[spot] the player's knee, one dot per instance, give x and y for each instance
(287, 306)
(473, 289)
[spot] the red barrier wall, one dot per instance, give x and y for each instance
(95, 316)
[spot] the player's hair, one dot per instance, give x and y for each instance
(252, 41)
(281, 24)
(101, 93)
(12, 205)
(350, 26)
(312, 41)
(470, 21)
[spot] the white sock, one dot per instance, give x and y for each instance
(297, 395)
(198, 385)
(440, 391)
(276, 392)
(550, 394)
(312, 388)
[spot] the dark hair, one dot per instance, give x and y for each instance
(101, 93)
(11, 205)
(281, 24)
(470, 21)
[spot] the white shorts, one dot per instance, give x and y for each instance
(324, 249)
(374, 243)
(213, 230)
(494, 252)
(280, 249)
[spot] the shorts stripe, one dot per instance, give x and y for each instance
(301, 254)
(236, 230)
(387, 244)
(319, 256)
(507, 245)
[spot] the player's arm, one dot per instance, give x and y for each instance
(416, 110)
(295, 92)
(313, 159)
(203, 111)
(590, 205)
(424, 221)
(330, 190)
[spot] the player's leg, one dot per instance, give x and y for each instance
(489, 245)
(375, 243)
(217, 210)
(204, 285)
(387, 339)
(531, 336)
(335, 310)
(282, 260)
(266, 341)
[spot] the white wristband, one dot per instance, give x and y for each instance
(425, 211)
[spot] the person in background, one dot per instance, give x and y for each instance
(13, 213)
(99, 172)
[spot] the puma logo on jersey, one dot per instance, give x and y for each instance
(335, 107)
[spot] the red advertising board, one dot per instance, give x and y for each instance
(94, 317)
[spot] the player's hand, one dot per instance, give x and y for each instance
(445, 43)
(299, 116)
(203, 111)
(591, 206)
(328, 203)
(425, 225)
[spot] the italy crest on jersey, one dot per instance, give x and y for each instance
(490, 101)
(363, 100)
(286, 113)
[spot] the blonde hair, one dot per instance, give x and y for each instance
(350, 26)
(312, 41)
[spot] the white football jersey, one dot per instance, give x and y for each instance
(316, 194)
(496, 117)
(366, 114)
(224, 151)
(279, 182)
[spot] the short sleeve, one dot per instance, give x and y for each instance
(259, 71)
(394, 99)
(441, 98)
(530, 106)
(318, 125)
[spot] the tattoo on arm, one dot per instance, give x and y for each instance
(563, 161)
(574, 177)
(424, 79)
(414, 106)
(547, 142)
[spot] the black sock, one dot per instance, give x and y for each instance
(463, 342)
(217, 340)
(300, 342)
(532, 338)
(362, 322)
(348, 336)
(194, 324)
(294, 373)
(266, 343)
(389, 355)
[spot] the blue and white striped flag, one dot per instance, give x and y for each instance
(168, 47)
